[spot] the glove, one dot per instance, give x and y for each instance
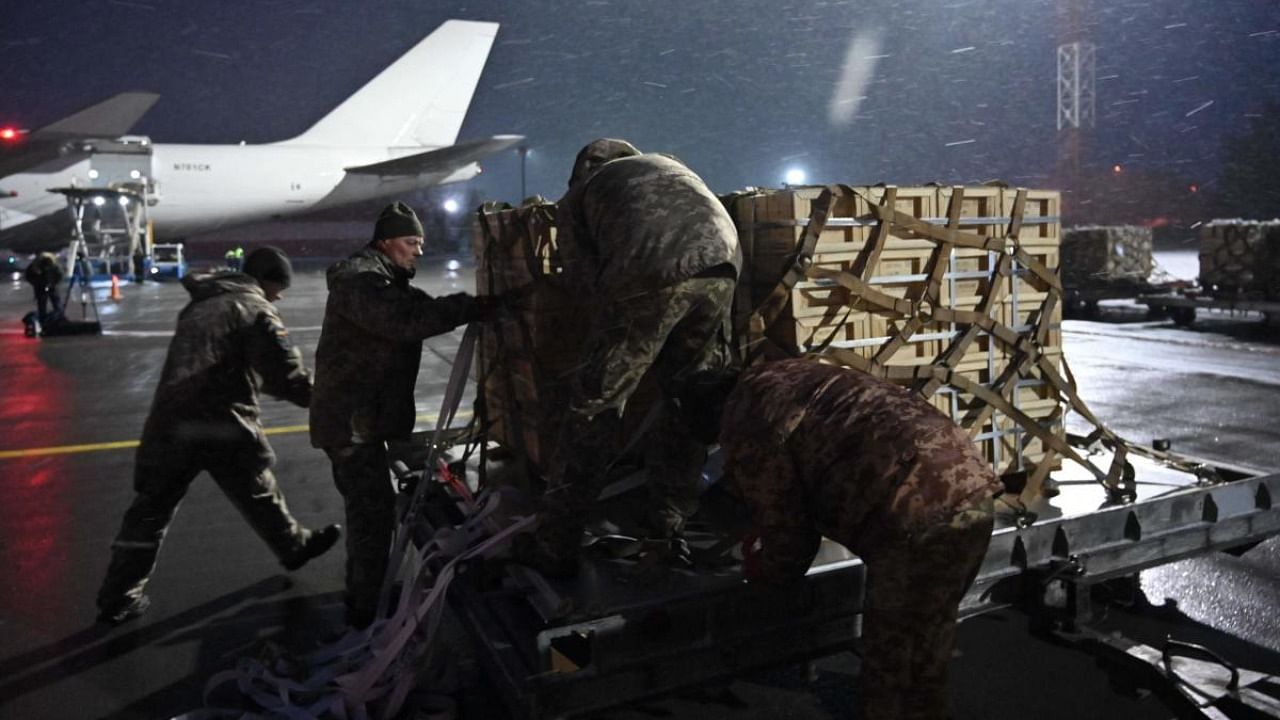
(752, 558)
(516, 299)
(483, 308)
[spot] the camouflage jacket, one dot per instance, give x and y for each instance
(643, 222)
(370, 348)
(818, 450)
(229, 344)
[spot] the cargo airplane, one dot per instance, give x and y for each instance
(394, 135)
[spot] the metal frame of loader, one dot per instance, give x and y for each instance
(1182, 306)
(554, 649)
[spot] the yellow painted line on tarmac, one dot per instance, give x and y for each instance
(68, 449)
(126, 444)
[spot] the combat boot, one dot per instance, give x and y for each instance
(117, 615)
(316, 544)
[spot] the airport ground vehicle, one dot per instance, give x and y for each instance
(1081, 300)
(1182, 305)
(168, 261)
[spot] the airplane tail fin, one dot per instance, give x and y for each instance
(419, 100)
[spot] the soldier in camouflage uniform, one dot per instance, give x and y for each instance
(366, 368)
(823, 451)
(658, 256)
(205, 417)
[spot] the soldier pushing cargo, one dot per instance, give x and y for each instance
(819, 451)
(229, 344)
(366, 368)
(657, 258)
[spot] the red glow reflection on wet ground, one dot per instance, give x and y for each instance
(34, 517)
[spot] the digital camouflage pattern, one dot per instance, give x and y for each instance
(677, 331)
(366, 368)
(229, 343)
(597, 153)
(818, 450)
(370, 348)
(657, 256)
(640, 223)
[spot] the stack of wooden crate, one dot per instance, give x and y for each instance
(1241, 258)
(525, 362)
(1100, 254)
(952, 291)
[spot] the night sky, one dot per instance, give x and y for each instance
(742, 91)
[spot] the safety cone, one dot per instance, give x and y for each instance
(115, 288)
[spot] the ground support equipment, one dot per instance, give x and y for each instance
(1183, 306)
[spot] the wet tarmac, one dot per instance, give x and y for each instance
(73, 408)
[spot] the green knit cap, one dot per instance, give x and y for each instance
(397, 220)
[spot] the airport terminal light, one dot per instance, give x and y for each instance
(795, 176)
(124, 201)
(450, 206)
(99, 200)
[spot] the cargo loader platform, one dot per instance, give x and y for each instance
(625, 631)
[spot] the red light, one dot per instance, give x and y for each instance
(1195, 188)
(1117, 169)
(8, 133)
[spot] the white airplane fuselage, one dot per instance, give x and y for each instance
(199, 188)
(378, 143)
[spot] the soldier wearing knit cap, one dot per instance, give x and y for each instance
(229, 345)
(366, 368)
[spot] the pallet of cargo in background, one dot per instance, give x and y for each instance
(1104, 262)
(892, 280)
(1240, 259)
(1239, 273)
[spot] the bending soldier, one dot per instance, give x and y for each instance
(658, 255)
(366, 368)
(205, 417)
(44, 275)
(822, 451)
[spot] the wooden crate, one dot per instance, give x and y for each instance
(947, 250)
(949, 261)
(525, 363)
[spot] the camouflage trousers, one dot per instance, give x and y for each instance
(363, 476)
(163, 471)
(671, 332)
(914, 586)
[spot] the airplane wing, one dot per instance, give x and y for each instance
(110, 118)
(446, 159)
